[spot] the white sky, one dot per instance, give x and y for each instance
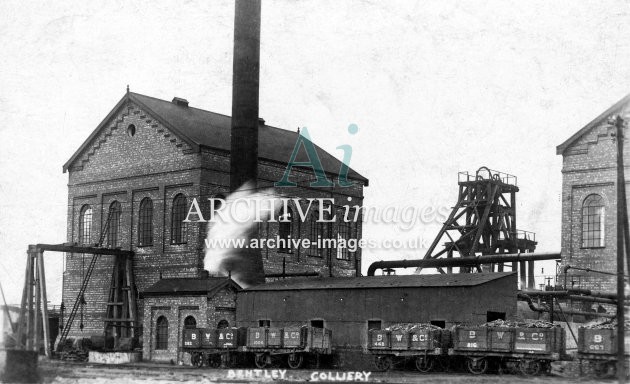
(436, 87)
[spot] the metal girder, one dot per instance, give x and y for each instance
(72, 248)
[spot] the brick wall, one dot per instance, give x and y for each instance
(155, 164)
(118, 167)
(589, 167)
(207, 313)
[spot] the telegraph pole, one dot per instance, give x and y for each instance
(622, 237)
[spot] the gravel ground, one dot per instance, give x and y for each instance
(59, 372)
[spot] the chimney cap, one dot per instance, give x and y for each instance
(180, 101)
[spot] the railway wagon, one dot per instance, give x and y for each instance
(211, 347)
(424, 344)
(528, 349)
(597, 349)
(265, 346)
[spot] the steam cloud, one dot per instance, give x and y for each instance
(244, 264)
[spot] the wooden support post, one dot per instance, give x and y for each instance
(21, 324)
(44, 299)
(29, 303)
(131, 294)
(38, 302)
(117, 291)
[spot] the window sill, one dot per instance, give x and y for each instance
(598, 247)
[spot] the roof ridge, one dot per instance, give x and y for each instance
(560, 149)
(208, 111)
(170, 102)
(203, 128)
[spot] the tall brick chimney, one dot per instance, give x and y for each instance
(247, 265)
(245, 85)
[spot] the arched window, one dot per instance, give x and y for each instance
(85, 224)
(285, 228)
(161, 333)
(316, 232)
(178, 215)
(223, 324)
(190, 322)
(113, 232)
(593, 222)
(328, 229)
(343, 235)
(145, 223)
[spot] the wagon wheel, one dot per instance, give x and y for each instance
(443, 364)
(424, 364)
(529, 367)
(477, 366)
(602, 370)
(214, 361)
(196, 359)
(227, 360)
(546, 368)
(261, 360)
(295, 360)
(383, 363)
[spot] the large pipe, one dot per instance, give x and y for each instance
(568, 294)
(462, 261)
(588, 292)
(533, 307)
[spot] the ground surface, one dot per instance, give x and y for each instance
(58, 372)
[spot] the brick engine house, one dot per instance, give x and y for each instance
(136, 175)
(589, 201)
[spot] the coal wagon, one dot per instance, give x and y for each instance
(529, 348)
(597, 349)
(264, 346)
(424, 344)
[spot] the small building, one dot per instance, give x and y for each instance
(589, 200)
(174, 304)
(351, 306)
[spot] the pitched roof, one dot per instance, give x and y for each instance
(615, 109)
(189, 286)
(397, 281)
(198, 127)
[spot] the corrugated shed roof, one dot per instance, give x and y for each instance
(200, 286)
(199, 127)
(437, 280)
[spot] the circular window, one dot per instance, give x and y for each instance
(131, 130)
